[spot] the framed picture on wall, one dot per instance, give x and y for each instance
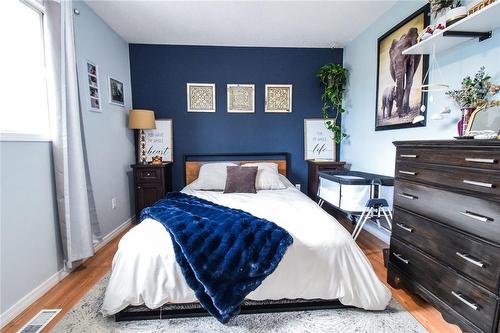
(159, 141)
(278, 98)
(318, 140)
(201, 97)
(399, 96)
(241, 98)
(94, 102)
(116, 94)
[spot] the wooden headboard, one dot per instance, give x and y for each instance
(193, 162)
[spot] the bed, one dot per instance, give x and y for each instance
(322, 263)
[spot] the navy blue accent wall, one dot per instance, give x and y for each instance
(159, 75)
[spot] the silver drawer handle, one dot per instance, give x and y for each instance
(148, 174)
(408, 156)
(407, 196)
(480, 160)
(397, 255)
(407, 172)
(466, 302)
(404, 227)
(465, 256)
(475, 216)
(472, 182)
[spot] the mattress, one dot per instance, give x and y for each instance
(323, 262)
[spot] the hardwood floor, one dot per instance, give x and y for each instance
(70, 290)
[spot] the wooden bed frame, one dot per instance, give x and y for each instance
(193, 162)
(192, 165)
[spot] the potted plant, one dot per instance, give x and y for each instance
(333, 78)
(472, 94)
(447, 12)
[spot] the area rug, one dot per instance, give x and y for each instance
(85, 317)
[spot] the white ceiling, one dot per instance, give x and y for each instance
(240, 23)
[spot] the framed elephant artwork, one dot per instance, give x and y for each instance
(400, 76)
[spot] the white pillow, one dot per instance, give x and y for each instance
(212, 176)
(267, 176)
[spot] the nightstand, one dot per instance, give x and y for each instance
(314, 167)
(151, 183)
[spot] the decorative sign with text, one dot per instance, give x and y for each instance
(159, 141)
(318, 141)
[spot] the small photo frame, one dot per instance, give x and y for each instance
(116, 93)
(241, 98)
(278, 98)
(201, 97)
(94, 103)
(318, 140)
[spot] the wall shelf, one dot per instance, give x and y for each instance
(478, 25)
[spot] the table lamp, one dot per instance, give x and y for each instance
(141, 120)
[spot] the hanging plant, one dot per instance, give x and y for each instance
(333, 77)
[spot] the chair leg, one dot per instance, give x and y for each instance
(359, 220)
(387, 218)
(361, 223)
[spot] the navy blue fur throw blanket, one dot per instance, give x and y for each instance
(224, 253)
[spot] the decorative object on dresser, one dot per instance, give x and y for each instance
(278, 98)
(313, 169)
(472, 93)
(201, 97)
(151, 183)
(484, 122)
(241, 98)
(333, 77)
(141, 120)
(318, 141)
(159, 141)
(399, 97)
(445, 244)
(116, 93)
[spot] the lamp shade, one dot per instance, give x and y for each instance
(141, 119)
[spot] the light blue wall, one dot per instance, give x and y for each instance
(110, 144)
(29, 243)
(30, 250)
(372, 151)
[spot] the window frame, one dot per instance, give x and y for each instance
(34, 137)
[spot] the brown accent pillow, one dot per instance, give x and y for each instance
(241, 179)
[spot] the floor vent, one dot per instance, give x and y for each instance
(38, 322)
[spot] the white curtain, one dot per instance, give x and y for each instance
(77, 216)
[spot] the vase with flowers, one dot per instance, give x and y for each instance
(473, 93)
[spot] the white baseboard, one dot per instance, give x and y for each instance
(31, 297)
(106, 239)
(381, 234)
(8, 315)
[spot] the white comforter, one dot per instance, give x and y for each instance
(323, 261)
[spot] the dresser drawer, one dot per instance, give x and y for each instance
(477, 180)
(472, 302)
(472, 257)
(479, 217)
(149, 174)
(476, 158)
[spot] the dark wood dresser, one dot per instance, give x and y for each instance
(445, 243)
(313, 169)
(151, 183)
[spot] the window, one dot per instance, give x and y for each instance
(24, 111)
